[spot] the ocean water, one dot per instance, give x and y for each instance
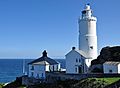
(12, 68)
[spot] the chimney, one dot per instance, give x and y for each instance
(73, 48)
(44, 53)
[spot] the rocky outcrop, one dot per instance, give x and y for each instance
(108, 54)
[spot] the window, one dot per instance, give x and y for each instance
(110, 71)
(37, 75)
(42, 74)
(53, 68)
(49, 68)
(32, 74)
(32, 67)
(57, 68)
(91, 47)
(76, 60)
(83, 12)
(76, 69)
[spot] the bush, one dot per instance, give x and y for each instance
(97, 70)
(1, 85)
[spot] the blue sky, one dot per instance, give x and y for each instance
(27, 27)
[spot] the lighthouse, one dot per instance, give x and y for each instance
(87, 33)
(79, 60)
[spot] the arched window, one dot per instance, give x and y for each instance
(76, 60)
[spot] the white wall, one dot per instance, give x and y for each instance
(55, 67)
(88, 62)
(119, 68)
(71, 64)
(38, 71)
(47, 68)
(107, 68)
(87, 34)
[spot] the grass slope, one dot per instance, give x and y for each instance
(85, 83)
(109, 80)
(1, 85)
(95, 82)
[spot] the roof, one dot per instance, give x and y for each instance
(44, 58)
(111, 63)
(47, 59)
(80, 52)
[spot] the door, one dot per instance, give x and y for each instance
(79, 69)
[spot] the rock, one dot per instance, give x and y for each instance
(108, 54)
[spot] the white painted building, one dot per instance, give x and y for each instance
(75, 61)
(87, 44)
(40, 66)
(111, 67)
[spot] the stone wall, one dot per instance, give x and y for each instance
(53, 77)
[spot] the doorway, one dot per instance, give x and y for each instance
(79, 69)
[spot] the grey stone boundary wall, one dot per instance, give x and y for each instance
(52, 77)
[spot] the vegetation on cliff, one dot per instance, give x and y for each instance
(85, 83)
(1, 85)
(108, 54)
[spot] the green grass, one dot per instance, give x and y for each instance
(108, 80)
(105, 81)
(1, 85)
(96, 82)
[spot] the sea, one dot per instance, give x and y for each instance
(12, 68)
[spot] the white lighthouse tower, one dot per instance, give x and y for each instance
(79, 61)
(87, 34)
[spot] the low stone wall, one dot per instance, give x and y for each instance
(30, 80)
(53, 77)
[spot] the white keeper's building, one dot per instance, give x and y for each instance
(40, 66)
